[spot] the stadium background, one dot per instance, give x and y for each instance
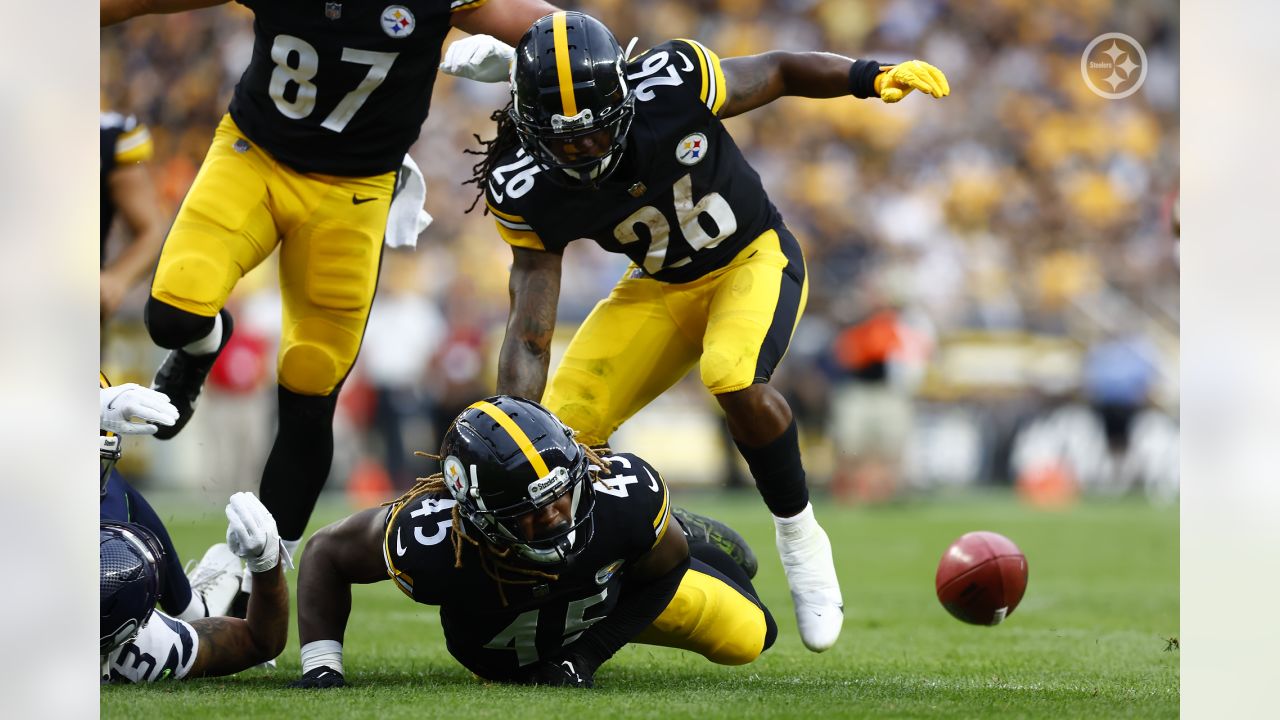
(1017, 239)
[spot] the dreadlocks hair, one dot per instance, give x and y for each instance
(491, 150)
(493, 560)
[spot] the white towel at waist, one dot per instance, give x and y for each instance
(407, 218)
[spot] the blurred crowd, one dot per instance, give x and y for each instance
(978, 265)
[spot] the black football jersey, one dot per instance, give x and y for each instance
(683, 202)
(124, 140)
(494, 640)
(343, 87)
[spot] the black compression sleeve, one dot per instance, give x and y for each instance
(639, 606)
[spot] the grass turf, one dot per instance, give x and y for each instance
(1091, 638)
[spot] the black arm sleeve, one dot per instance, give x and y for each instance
(639, 606)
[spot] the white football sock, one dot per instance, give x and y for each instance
(195, 609)
(209, 343)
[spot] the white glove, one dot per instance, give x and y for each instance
(120, 405)
(251, 532)
(482, 58)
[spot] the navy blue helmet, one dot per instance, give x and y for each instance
(129, 557)
(572, 107)
(505, 457)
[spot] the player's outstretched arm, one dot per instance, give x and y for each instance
(756, 80)
(114, 11)
(506, 20)
(135, 198)
(228, 645)
(526, 348)
(338, 556)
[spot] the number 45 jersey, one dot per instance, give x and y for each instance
(495, 629)
(683, 202)
(341, 87)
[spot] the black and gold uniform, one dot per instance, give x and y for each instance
(496, 627)
(124, 141)
(341, 88)
(716, 279)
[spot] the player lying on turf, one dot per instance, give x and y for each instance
(133, 410)
(631, 153)
(545, 559)
(141, 644)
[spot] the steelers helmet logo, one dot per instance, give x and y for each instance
(691, 149)
(455, 477)
(397, 21)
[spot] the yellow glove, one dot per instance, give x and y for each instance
(896, 81)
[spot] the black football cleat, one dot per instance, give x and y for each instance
(701, 527)
(182, 375)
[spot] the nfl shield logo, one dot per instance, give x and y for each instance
(333, 10)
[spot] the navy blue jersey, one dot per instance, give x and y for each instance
(494, 631)
(682, 203)
(341, 88)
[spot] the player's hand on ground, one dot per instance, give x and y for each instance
(479, 57)
(319, 679)
(252, 533)
(569, 672)
(897, 81)
(131, 409)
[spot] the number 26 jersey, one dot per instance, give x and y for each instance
(683, 202)
(341, 87)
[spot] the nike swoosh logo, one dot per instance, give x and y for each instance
(653, 481)
(400, 549)
(496, 195)
(357, 200)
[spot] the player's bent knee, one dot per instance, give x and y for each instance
(316, 356)
(172, 327)
(721, 374)
(712, 619)
(195, 272)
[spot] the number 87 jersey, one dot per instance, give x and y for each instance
(683, 200)
(341, 87)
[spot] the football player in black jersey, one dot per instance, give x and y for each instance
(632, 154)
(544, 558)
(126, 190)
(306, 159)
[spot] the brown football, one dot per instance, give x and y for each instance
(981, 578)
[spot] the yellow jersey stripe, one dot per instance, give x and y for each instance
(134, 146)
(521, 238)
(702, 68)
(560, 37)
(504, 216)
(662, 511)
(720, 94)
(103, 382)
(396, 574)
(522, 440)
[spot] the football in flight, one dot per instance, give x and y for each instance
(981, 578)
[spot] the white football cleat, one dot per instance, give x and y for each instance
(217, 579)
(811, 573)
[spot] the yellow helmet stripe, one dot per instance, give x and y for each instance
(560, 36)
(522, 440)
(103, 383)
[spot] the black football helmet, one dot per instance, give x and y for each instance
(571, 105)
(504, 457)
(129, 581)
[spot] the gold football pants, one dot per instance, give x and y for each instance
(242, 204)
(735, 323)
(712, 617)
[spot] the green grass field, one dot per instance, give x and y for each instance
(1091, 639)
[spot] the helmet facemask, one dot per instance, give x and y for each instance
(585, 148)
(501, 526)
